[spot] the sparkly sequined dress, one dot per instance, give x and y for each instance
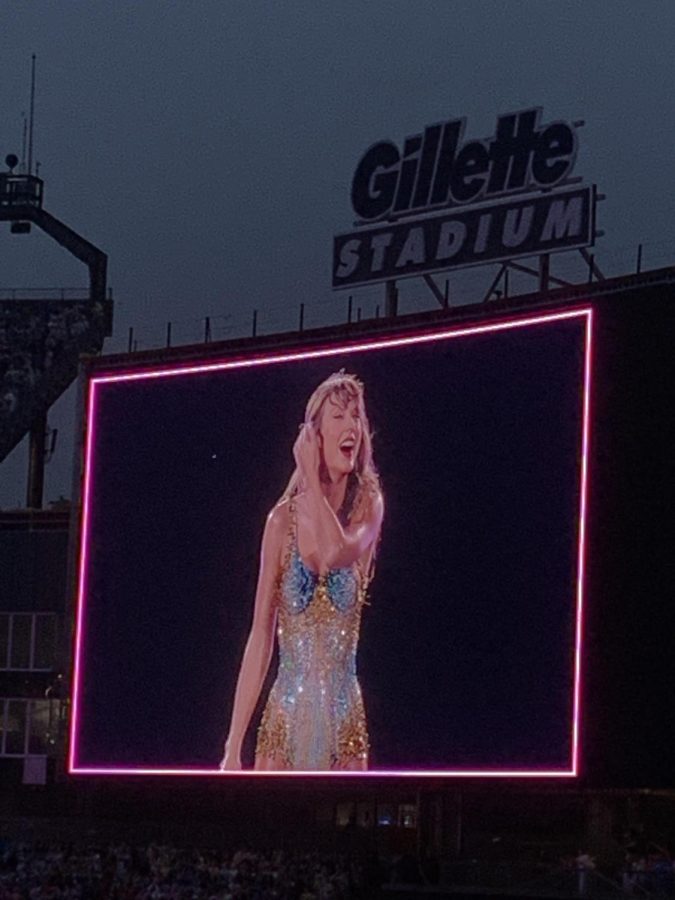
(314, 717)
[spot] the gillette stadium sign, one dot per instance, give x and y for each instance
(440, 202)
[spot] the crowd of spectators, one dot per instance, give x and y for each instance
(651, 873)
(154, 872)
(33, 338)
(160, 871)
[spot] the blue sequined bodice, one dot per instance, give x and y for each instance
(299, 583)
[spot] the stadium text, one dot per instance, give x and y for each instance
(435, 169)
(559, 220)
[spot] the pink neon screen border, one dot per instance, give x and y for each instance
(440, 333)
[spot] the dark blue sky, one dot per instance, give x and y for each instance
(208, 147)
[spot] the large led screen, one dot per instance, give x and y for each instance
(351, 559)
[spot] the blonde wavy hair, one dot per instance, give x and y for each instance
(363, 484)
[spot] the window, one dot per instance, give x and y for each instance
(4, 641)
(386, 814)
(27, 641)
(19, 656)
(15, 727)
(407, 815)
(365, 815)
(44, 643)
(345, 814)
(39, 727)
(27, 727)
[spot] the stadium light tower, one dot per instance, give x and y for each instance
(21, 204)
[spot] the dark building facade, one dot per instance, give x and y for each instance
(33, 562)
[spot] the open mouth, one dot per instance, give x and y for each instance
(347, 448)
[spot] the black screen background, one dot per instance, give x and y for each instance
(466, 651)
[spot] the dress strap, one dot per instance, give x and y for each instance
(293, 521)
(291, 541)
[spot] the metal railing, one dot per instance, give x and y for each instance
(44, 293)
(460, 288)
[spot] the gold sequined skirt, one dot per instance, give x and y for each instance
(309, 730)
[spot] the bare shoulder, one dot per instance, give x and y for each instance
(278, 520)
(370, 508)
(375, 504)
(276, 528)
(377, 507)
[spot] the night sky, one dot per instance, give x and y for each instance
(209, 148)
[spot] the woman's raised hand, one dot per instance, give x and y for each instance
(306, 453)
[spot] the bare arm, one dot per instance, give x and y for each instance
(337, 545)
(258, 652)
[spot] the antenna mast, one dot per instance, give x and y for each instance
(31, 115)
(23, 145)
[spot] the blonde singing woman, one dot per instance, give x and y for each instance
(315, 564)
